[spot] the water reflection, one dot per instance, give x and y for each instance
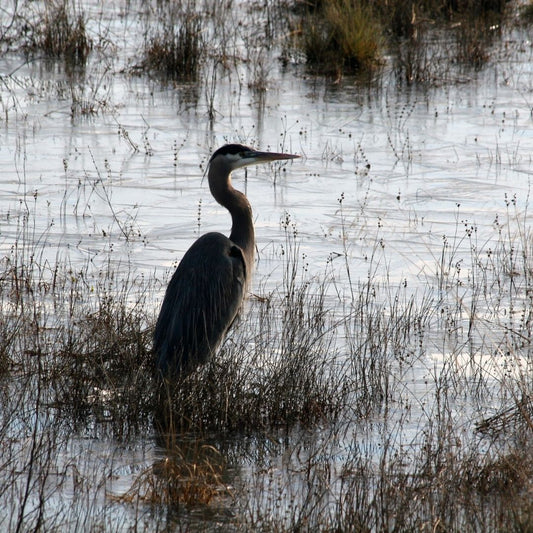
(190, 480)
(416, 196)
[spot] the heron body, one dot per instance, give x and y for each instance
(207, 289)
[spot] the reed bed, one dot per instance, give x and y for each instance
(311, 417)
(302, 371)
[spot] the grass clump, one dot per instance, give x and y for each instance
(63, 33)
(82, 334)
(347, 36)
(175, 49)
(341, 35)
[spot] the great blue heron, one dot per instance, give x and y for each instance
(209, 285)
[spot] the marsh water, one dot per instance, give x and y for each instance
(108, 167)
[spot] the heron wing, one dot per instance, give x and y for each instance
(201, 301)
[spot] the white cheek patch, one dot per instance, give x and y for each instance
(238, 161)
(234, 158)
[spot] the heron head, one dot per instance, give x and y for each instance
(238, 156)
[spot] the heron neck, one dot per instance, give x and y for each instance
(242, 229)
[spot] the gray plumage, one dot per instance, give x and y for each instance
(207, 289)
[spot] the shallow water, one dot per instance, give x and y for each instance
(125, 185)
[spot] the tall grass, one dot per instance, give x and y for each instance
(426, 42)
(174, 45)
(450, 467)
(58, 30)
(342, 35)
(277, 369)
(303, 377)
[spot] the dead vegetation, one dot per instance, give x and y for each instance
(174, 46)
(295, 368)
(429, 42)
(306, 419)
(57, 30)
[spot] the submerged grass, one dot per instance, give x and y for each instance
(58, 30)
(346, 36)
(341, 35)
(191, 475)
(64, 34)
(174, 45)
(428, 42)
(316, 363)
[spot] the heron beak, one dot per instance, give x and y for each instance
(265, 157)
